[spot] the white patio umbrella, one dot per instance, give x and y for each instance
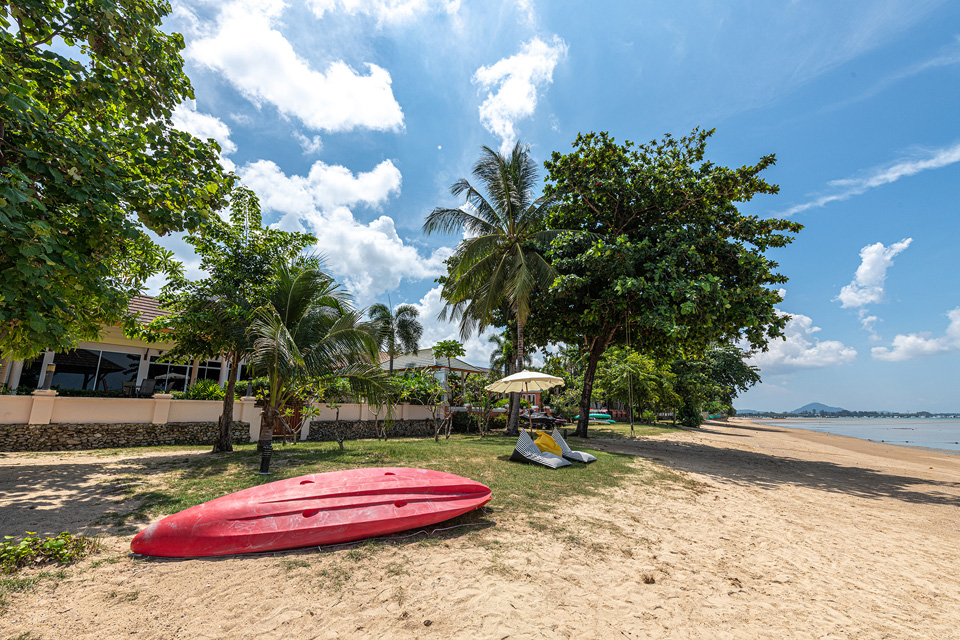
(524, 382)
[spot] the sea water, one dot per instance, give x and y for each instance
(930, 433)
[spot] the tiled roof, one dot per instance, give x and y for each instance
(147, 308)
(424, 359)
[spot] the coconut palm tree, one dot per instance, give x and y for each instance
(502, 358)
(399, 331)
(308, 331)
(497, 266)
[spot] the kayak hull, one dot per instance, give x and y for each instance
(312, 510)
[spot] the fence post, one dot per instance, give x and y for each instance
(42, 408)
(161, 407)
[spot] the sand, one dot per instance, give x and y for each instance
(773, 533)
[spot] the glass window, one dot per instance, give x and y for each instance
(117, 368)
(169, 377)
(30, 374)
(76, 369)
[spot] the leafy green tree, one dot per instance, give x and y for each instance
(498, 266)
(399, 330)
(503, 358)
(309, 332)
(89, 160)
(448, 349)
(729, 373)
(657, 244)
(211, 317)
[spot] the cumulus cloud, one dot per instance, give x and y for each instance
(867, 284)
(255, 57)
(203, 125)
(310, 146)
(847, 188)
(918, 345)
(513, 83)
(802, 349)
(370, 258)
(392, 11)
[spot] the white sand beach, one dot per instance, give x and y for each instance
(775, 533)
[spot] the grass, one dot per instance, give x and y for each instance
(9, 585)
(166, 484)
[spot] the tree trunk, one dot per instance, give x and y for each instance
(225, 436)
(513, 424)
(596, 350)
(268, 420)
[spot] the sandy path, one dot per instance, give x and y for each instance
(782, 534)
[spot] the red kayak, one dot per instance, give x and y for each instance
(323, 508)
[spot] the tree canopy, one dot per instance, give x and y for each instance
(657, 244)
(211, 316)
(89, 161)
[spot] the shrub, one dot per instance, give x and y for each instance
(464, 422)
(32, 550)
(202, 390)
(689, 415)
(88, 393)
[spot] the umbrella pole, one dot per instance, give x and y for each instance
(526, 386)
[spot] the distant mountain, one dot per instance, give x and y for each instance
(742, 411)
(816, 407)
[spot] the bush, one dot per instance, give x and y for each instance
(689, 415)
(32, 550)
(648, 416)
(464, 422)
(499, 421)
(202, 390)
(88, 393)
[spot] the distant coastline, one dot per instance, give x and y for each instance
(934, 433)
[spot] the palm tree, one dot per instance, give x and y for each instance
(502, 355)
(497, 267)
(399, 331)
(309, 332)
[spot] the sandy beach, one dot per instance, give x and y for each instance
(773, 533)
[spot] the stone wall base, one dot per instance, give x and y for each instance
(65, 437)
(326, 430)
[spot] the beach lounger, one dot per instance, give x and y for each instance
(527, 451)
(569, 454)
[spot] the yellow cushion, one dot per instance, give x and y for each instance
(548, 444)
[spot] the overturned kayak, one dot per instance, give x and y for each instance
(318, 509)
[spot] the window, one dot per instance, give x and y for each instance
(169, 377)
(93, 369)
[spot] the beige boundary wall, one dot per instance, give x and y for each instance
(47, 408)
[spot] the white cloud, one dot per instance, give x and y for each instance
(202, 125)
(918, 345)
(879, 176)
(369, 258)
(477, 348)
(262, 64)
(802, 349)
(516, 80)
(384, 10)
(867, 284)
(310, 146)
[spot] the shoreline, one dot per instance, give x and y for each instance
(758, 421)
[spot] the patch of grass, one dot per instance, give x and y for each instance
(291, 564)
(178, 481)
(65, 548)
(102, 561)
(10, 585)
(619, 430)
(124, 596)
(26, 635)
(334, 577)
(396, 569)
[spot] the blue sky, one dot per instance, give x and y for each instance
(351, 118)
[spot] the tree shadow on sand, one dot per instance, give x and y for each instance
(758, 469)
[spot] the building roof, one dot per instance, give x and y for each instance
(147, 308)
(424, 359)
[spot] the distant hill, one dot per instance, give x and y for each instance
(742, 411)
(816, 407)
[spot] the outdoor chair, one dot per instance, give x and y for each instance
(527, 451)
(569, 454)
(147, 387)
(129, 389)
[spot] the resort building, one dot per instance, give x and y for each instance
(113, 363)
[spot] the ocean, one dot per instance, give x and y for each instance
(930, 433)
